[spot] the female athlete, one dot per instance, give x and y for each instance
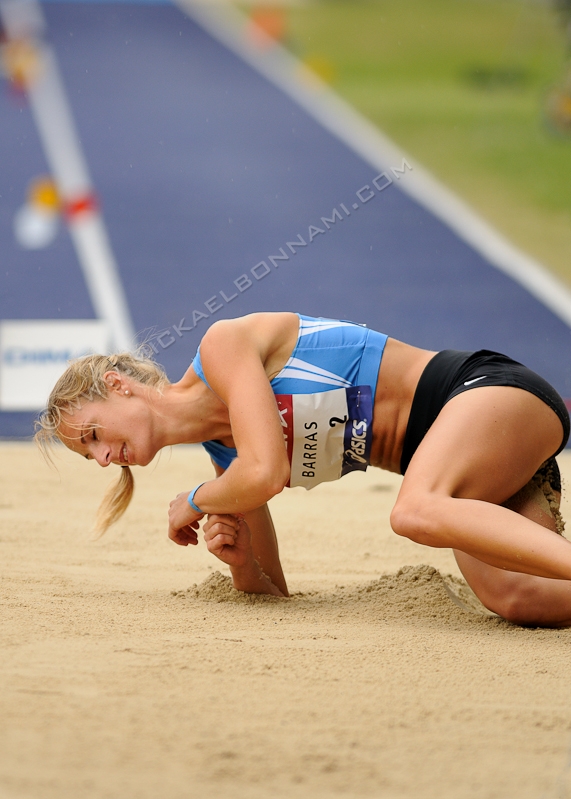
(281, 399)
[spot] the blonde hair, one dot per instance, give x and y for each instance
(83, 381)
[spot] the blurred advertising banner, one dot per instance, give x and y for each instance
(34, 353)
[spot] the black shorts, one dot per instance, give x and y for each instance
(452, 372)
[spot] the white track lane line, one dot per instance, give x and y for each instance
(60, 141)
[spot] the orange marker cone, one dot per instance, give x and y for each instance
(21, 62)
(268, 24)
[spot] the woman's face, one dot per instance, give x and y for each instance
(118, 430)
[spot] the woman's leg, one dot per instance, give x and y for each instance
(522, 598)
(483, 447)
(519, 598)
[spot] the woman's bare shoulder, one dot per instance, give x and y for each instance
(272, 336)
(264, 325)
(266, 332)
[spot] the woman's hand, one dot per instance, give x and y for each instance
(183, 521)
(228, 537)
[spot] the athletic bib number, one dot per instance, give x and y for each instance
(328, 434)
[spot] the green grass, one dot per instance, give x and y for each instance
(461, 86)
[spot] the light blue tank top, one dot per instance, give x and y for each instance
(329, 354)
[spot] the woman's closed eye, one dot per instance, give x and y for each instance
(93, 438)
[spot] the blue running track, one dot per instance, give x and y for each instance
(204, 169)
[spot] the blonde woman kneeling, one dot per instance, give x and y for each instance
(280, 399)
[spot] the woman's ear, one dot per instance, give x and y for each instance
(114, 382)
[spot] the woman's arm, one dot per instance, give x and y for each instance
(265, 546)
(232, 358)
(264, 550)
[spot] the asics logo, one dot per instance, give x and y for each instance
(475, 380)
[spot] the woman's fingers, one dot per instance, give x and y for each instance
(223, 519)
(219, 528)
(185, 536)
(221, 534)
(218, 543)
(220, 531)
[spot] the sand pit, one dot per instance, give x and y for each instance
(131, 669)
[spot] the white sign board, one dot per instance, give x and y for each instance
(34, 353)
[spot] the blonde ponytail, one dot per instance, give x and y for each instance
(115, 502)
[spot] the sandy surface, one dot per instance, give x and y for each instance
(130, 668)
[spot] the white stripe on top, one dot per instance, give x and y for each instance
(297, 369)
(308, 327)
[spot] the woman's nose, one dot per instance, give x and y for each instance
(103, 455)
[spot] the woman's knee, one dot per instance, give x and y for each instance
(417, 517)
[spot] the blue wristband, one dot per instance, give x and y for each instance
(191, 497)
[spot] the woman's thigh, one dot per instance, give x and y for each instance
(485, 444)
